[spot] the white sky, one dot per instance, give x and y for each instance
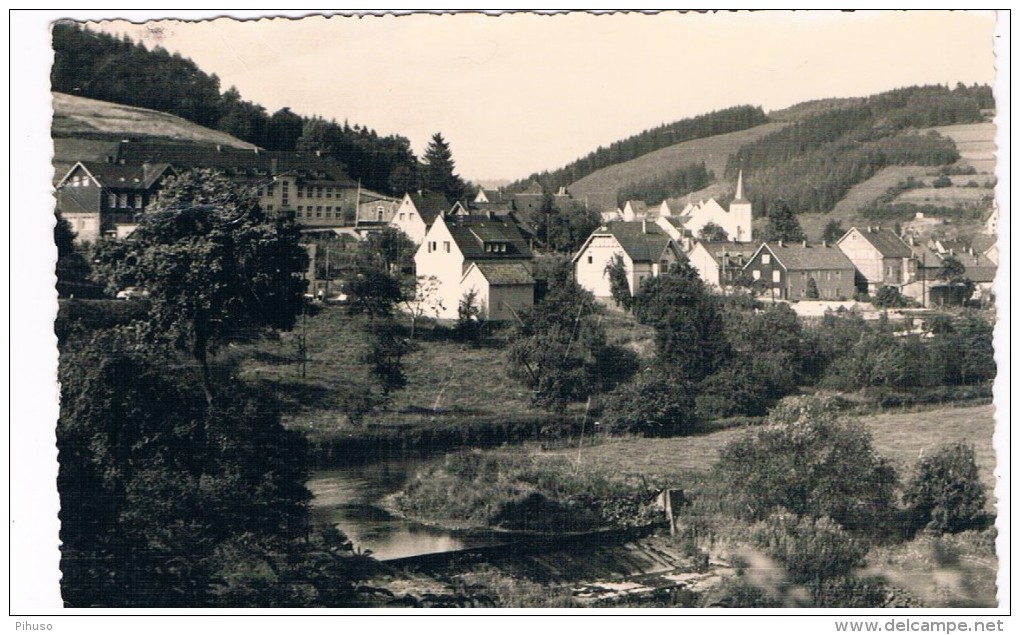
(522, 92)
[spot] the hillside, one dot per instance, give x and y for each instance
(599, 188)
(89, 130)
(89, 118)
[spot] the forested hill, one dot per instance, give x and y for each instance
(116, 69)
(648, 141)
(808, 155)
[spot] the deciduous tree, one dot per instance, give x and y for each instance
(215, 266)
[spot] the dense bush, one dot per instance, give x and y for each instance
(654, 404)
(811, 463)
(946, 494)
(888, 297)
(811, 549)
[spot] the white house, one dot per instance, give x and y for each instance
(645, 248)
(416, 213)
(736, 221)
(454, 243)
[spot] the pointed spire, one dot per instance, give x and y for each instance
(739, 197)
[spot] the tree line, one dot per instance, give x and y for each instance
(673, 184)
(814, 162)
(707, 125)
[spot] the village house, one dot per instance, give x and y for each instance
(416, 213)
(487, 254)
(375, 209)
(720, 263)
(646, 250)
(101, 200)
(881, 257)
(787, 269)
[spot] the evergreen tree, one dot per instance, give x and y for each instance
(783, 224)
(438, 170)
(833, 231)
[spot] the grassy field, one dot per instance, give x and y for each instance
(900, 437)
(447, 382)
(600, 187)
(976, 143)
(77, 115)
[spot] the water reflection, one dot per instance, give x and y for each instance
(350, 498)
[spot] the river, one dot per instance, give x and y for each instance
(351, 498)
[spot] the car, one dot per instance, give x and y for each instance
(132, 293)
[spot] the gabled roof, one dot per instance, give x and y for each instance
(981, 243)
(642, 241)
(798, 256)
(533, 187)
(720, 249)
(473, 233)
(503, 273)
(237, 162)
(429, 205)
(121, 177)
(884, 240)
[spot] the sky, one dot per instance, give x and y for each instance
(519, 93)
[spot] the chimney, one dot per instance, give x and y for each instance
(804, 243)
(780, 242)
(219, 148)
(644, 226)
(256, 149)
(825, 243)
(318, 153)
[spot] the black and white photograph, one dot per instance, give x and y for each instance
(514, 312)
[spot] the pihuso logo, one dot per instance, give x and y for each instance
(33, 626)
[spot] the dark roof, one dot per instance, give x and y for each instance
(641, 240)
(725, 248)
(126, 177)
(472, 233)
(796, 256)
(886, 242)
(982, 242)
(429, 205)
(505, 273)
(237, 162)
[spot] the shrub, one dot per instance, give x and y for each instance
(733, 392)
(946, 495)
(654, 404)
(889, 297)
(810, 463)
(811, 549)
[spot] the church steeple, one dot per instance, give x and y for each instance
(739, 198)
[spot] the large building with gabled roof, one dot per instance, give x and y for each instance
(645, 248)
(786, 270)
(488, 254)
(880, 256)
(416, 213)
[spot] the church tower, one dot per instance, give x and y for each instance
(740, 213)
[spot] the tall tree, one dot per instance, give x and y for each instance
(438, 170)
(713, 232)
(215, 266)
(783, 224)
(689, 335)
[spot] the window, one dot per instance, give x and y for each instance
(318, 208)
(300, 208)
(776, 275)
(756, 274)
(329, 192)
(112, 201)
(839, 275)
(318, 192)
(301, 192)
(299, 213)
(589, 260)
(138, 201)
(401, 215)
(269, 207)
(123, 200)
(329, 208)
(766, 259)
(446, 246)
